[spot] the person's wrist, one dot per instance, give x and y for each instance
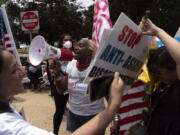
(57, 77)
(57, 72)
(114, 105)
(157, 31)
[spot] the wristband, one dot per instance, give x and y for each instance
(58, 78)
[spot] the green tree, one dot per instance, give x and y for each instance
(55, 17)
(164, 13)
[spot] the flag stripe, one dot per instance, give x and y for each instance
(122, 132)
(8, 45)
(132, 101)
(134, 90)
(131, 96)
(132, 112)
(131, 119)
(132, 106)
(6, 38)
(137, 84)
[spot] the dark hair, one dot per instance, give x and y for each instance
(61, 38)
(162, 58)
(1, 60)
(4, 107)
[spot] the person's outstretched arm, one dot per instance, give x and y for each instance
(98, 124)
(172, 45)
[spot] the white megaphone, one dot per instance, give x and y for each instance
(39, 50)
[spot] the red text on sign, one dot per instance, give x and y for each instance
(129, 37)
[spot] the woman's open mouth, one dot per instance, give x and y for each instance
(76, 55)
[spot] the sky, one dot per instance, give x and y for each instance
(86, 3)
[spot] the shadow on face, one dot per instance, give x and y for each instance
(11, 75)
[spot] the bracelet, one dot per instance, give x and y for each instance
(58, 78)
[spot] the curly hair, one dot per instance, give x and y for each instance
(91, 46)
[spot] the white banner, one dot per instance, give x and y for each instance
(101, 20)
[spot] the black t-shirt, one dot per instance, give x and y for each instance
(165, 119)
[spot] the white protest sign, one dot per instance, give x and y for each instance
(124, 51)
(105, 35)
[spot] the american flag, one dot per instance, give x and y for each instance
(2, 29)
(132, 106)
(132, 102)
(101, 20)
(6, 37)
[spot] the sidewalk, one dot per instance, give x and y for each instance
(39, 109)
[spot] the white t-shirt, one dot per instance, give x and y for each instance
(78, 98)
(14, 124)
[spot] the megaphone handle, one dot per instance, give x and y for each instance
(66, 55)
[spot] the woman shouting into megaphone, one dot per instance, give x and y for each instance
(81, 109)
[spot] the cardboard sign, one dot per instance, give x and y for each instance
(124, 51)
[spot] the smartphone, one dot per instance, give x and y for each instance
(98, 87)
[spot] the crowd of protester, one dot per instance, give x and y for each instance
(92, 118)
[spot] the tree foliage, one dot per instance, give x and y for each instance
(61, 16)
(164, 13)
(55, 17)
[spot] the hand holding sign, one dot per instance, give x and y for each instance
(150, 28)
(124, 51)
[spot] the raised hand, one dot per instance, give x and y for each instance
(55, 66)
(149, 28)
(116, 91)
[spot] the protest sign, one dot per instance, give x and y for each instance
(124, 51)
